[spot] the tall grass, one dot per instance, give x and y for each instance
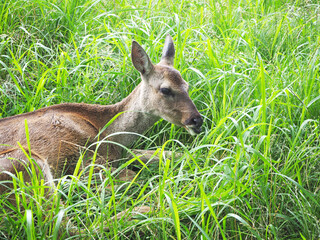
(253, 68)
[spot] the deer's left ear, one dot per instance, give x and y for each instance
(168, 52)
(140, 59)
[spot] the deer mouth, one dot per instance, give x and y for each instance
(193, 130)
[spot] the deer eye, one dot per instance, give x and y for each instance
(166, 91)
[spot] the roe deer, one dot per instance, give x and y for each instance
(57, 133)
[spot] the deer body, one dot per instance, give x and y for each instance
(58, 134)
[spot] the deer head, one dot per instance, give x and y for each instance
(163, 91)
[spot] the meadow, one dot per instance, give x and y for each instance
(253, 69)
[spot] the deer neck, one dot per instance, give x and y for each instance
(135, 117)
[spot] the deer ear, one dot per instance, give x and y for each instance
(140, 59)
(168, 51)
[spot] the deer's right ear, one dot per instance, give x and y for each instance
(140, 59)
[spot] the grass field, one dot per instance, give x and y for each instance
(253, 68)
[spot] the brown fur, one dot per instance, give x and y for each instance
(59, 133)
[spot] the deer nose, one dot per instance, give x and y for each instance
(198, 121)
(193, 124)
(195, 121)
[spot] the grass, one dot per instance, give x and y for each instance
(253, 67)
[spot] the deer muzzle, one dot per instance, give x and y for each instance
(193, 124)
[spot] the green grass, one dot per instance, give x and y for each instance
(253, 68)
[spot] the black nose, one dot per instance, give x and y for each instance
(195, 121)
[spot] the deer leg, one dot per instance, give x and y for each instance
(151, 156)
(110, 161)
(14, 164)
(101, 163)
(122, 175)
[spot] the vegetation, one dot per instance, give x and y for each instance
(253, 67)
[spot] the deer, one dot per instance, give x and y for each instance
(57, 133)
